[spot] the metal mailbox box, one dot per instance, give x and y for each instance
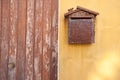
(81, 22)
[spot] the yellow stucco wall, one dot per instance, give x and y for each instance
(98, 61)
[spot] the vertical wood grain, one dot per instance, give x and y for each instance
(54, 56)
(46, 39)
(0, 29)
(29, 40)
(22, 16)
(4, 41)
(13, 39)
(38, 40)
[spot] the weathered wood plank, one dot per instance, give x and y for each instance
(54, 57)
(0, 29)
(36, 48)
(29, 40)
(38, 40)
(22, 16)
(4, 40)
(12, 40)
(46, 39)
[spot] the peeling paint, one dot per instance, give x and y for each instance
(48, 40)
(54, 19)
(37, 69)
(13, 39)
(28, 39)
(46, 63)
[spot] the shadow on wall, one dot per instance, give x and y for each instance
(107, 68)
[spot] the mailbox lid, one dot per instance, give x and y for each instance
(81, 30)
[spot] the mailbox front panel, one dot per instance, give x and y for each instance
(81, 30)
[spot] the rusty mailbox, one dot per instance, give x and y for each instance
(81, 25)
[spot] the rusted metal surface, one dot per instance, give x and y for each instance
(71, 11)
(81, 31)
(87, 10)
(81, 14)
(81, 25)
(28, 39)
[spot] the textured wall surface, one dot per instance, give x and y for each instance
(28, 39)
(98, 61)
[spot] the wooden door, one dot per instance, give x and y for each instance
(28, 39)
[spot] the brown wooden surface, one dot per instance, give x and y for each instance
(12, 39)
(46, 39)
(54, 55)
(0, 28)
(28, 39)
(4, 40)
(38, 40)
(20, 63)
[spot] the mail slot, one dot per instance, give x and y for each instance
(81, 23)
